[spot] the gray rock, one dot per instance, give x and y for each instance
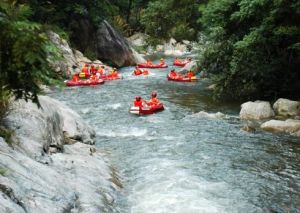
(211, 87)
(66, 66)
(138, 39)
(289, 126)
(42, 174)
(193, 66)
(286, 107)
(112, 46)
(256, 110)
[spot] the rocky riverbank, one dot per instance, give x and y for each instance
(50, 163)
(284, 117)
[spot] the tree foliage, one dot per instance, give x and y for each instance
(170, 18)
(252, 47)
(24, 48)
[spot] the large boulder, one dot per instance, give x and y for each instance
(39, 173)
(286, 107)
(256, 110)
(111, 46)
(289, 126)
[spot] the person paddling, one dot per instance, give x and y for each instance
(137, 71)
(173, 74)
(153, 100)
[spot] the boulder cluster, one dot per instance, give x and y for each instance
(283, 117)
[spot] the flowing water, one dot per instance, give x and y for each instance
(180, 160)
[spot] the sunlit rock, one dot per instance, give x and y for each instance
(64, 67)
(289, 126)
(42, 174)
(256, 110)
(286, 107)
(138, 39)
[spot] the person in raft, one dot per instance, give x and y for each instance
(93, 69)
(114, 72)
(190, 74)
(94, 77)
(137, 71)
(177, 60)
(100, 71)
(162, 61)
(84, 71)
(75, 77)
(138, 102)
(149, 62)
(153, 100)
(173, 74)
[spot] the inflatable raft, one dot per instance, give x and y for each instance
(71, 83)
(109, 77)
(146, 110)
(143, 72)
(182, 78)
(153, 66)
(180, 64)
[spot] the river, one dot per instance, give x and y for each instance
(180, 160)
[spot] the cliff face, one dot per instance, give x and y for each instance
(51, 164)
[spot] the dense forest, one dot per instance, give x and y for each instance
(250, 48)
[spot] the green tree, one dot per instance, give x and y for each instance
(24, 48)
(170, 18)
(252, 48)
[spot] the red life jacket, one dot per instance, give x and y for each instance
(138, 103)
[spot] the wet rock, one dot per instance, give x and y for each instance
(113, 47)
(248, 128)
(286, 107)
(289, 126)
(256, 110)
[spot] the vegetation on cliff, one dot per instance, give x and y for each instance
(252, 48)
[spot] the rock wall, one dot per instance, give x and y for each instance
(71, 60)
(51, 165)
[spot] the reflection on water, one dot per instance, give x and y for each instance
(181, 161)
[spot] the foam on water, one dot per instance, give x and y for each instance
(132, 132)
(166, 186)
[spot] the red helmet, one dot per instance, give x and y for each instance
(153, 94)
(138, 98)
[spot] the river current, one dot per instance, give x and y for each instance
(181, 160)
